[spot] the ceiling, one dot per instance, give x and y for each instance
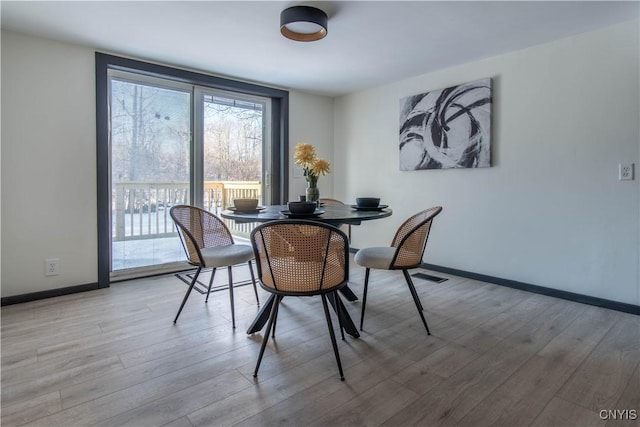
(368, 43)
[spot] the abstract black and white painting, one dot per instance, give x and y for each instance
(447, 128)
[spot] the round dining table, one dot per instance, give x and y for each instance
(331, 214)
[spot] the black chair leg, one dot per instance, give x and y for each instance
(332, 334)
(416, 298)
(364, 296)
(413, 288)
(193, 282)
(275, 319)
(233, 314)
(213, 273)
(341, 309)
(253, 281)
(274, 310)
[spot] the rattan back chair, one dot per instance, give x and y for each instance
(406, 252)
(301, 258)
(208, 243)
(335, 202)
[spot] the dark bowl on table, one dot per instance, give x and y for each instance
(300, 208)
(245, 205)
(367, 202)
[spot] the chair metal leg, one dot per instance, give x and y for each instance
(253, 281)
(275, 319)
(265, 339)
(332, 334)
(339, 312)
(233, 314)
(413, 289)
(416, 298)
(213, 273)
(364, 296)
(193, 282)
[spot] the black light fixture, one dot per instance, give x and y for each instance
(303, 23)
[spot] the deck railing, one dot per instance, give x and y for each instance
(141, 209)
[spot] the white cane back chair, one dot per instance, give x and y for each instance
(406, 252)
(301, 258)
(208, 243)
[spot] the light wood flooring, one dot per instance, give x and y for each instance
(497, 356)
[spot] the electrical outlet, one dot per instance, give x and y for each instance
(51, 267)
(625, 171)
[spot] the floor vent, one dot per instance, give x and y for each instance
(429, 277)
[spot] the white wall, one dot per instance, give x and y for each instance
(48, 164)
(310, 120)
(49, 160)
(551, 211)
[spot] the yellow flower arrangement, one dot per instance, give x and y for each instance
(313, 167)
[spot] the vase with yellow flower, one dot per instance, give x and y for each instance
(312, 167)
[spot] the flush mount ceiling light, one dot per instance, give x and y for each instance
(303, 23)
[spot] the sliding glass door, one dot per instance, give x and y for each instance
(150, 156)
(155, 163)
(168, 136)
(232, 133)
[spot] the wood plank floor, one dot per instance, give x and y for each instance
(497, 356)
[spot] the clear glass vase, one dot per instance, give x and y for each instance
(313, 193)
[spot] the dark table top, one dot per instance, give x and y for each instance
(332, 214)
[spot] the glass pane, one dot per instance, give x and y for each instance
(150, 132)
(233, 153)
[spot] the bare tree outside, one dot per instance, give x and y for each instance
(232, 140)
(150, 136)
(150, 133)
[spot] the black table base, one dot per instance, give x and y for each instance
(348, 325)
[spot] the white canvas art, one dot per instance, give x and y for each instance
(447, 128)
